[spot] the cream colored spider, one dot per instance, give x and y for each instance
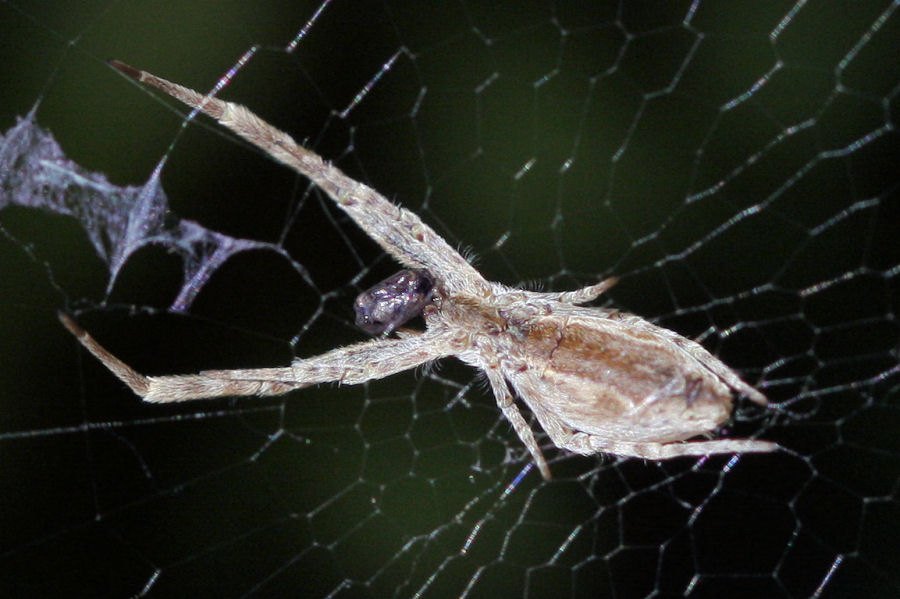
(597, 380)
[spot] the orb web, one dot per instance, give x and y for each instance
(733, 165)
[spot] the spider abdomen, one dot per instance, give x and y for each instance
(606, 377)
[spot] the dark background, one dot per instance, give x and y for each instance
(741, 183)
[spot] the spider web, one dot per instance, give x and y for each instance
(734, 164)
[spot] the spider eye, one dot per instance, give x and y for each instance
(393, 301)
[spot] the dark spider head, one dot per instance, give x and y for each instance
(393, 301)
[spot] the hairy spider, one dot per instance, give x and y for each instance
(597, 380)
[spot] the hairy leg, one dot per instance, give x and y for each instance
(507, 405)
(578, 296)
(587, 444)
(398, 231)
(350, 365)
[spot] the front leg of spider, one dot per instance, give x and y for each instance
(393, 302)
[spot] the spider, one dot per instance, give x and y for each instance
(597, 380)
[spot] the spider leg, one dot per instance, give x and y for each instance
(507, 405)
(125, 373)
(587, 444)
(176, 387)
(578, 296)
(589, 293)
(350, 365)
(398, 231)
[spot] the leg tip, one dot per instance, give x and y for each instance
(70, 325)
(124, 68)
